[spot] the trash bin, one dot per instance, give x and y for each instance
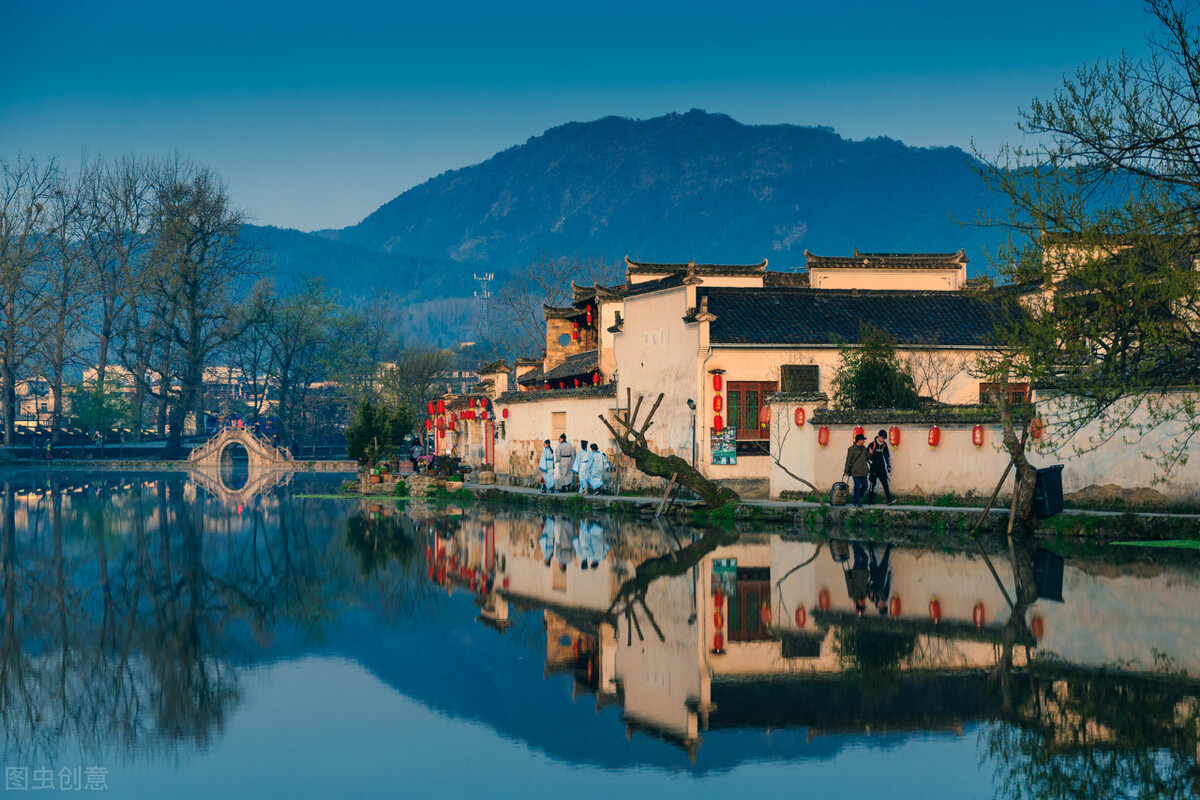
(1047, 492)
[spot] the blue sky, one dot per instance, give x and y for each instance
(317, 113)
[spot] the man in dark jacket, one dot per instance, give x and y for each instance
(881, 467)
(857, 467)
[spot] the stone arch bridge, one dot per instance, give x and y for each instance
(262, 454)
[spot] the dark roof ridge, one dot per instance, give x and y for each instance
(685, 265)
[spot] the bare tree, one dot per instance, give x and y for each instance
(26, 189)
(69, 285)
(517, 323)
(199, 265)
(933, 371)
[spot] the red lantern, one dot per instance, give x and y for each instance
(717, 423)
(977, 436)
(441, 406)
(719, 599)
(764, 615)
(801, 617)
(977, 614)
(1036, 428)
(935, 610)
(858, 431)
(894, 436)
(823, 436)
(764, 416)
(717, 404)
(895, 607)
(431, 408)
(718, 620)
(589, 315)
(504, 412)
(799, 417)
(935, 436)
(824, 600)
(716, 383)
(577, 383)
(547, 385)
(473, 402)
(1037, 626)
(505, 581)
(576, 334)
(453, 419)
(718, 642)
(428, 424)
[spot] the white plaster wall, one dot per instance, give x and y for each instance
(1122, 460)
(955, 465)
(657, 352)
(909, 280)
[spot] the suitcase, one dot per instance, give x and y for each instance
(839, 494)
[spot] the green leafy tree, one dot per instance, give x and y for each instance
(870, 375)
(1104, 206)
(376, 432)
(101, 407)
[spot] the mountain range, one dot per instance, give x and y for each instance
(679, 187)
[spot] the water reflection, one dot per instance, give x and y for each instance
(136, 607)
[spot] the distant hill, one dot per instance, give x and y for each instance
(688, 186)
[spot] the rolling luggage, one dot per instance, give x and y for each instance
(839, 494)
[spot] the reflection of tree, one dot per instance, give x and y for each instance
(378, 540)
(1099, 735)
(873, 658)
(126, 606)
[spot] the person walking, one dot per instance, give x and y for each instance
(546, 466)
(564, 455)
(880, 467)
(595, 476)
(857, 466)
(583, 460)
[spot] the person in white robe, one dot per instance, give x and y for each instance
(546, 467)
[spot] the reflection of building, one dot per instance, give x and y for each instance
(794, 652)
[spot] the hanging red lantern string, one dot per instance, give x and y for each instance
(935, 436)
(977, 436)
(894, 436)
(823, 436)
(799, 417)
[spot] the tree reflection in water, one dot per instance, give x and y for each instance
(131, 605)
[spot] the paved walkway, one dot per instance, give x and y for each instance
(606, 499)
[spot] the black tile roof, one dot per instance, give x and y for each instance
(603, 390)
(817, 316)
(579, 364)
(888, 260)
(645, 267)
(535, 375)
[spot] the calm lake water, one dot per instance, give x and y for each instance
(166, 636)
